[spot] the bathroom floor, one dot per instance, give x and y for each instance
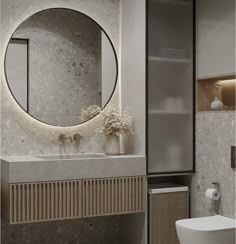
(104, 230)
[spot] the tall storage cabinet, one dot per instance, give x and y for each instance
(170, 86)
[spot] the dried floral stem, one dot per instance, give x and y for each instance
(116, 123)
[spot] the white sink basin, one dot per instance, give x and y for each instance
(77, 156)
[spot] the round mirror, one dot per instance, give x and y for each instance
(61, 67)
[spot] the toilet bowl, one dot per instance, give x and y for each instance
(207, 230)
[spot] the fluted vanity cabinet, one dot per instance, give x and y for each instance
(78, 187)
(170, 86)
(47, 201)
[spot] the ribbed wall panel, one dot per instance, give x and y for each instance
(45, 201)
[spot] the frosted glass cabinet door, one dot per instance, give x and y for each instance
(170, 86)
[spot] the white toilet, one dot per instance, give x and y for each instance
(207, 230)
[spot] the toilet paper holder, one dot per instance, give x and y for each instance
(214, 192)
(216, 186)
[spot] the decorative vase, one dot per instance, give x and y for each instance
(217, 104)
(112, 145)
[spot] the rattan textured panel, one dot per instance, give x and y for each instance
(164, 210)
(45, 201)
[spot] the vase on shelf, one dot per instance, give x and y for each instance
(217, 105)
(112, 145)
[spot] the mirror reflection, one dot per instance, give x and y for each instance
(58, 63)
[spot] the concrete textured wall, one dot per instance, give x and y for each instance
(22, 135)
(215, 134)
(215, 131)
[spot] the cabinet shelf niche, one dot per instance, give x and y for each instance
(223, 87)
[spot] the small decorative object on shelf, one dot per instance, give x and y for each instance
(217, 105)
(89, 112)
(115, 123)
(223, 87)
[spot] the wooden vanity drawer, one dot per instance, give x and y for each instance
(48, 201)
(113, 196)
(33, 202)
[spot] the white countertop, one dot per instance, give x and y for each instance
(16, 169)
(36, 158)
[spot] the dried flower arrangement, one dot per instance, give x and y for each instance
(89, 112)
(116, 123)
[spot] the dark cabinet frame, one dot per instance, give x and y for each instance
(193, 95)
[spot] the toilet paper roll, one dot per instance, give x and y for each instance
(213, 194)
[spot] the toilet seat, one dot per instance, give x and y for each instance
(206, 230)
(213, 223)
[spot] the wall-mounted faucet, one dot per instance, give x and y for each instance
(75, 138)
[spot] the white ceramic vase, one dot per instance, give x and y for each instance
(112, 145)
(217, 104)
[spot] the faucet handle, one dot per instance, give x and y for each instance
(77, 137)
(62, 138)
